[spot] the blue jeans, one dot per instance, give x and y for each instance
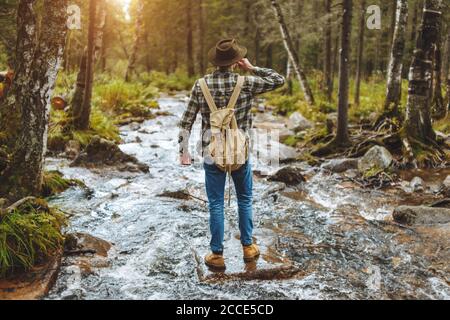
(215, 180)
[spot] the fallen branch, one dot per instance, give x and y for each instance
(15, 206)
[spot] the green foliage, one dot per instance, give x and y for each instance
(54, 183)
(177, 81)
(443, 125)
(28, 235)
(117, 96)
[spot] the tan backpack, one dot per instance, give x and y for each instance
(229, 146)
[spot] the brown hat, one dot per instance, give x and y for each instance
(226, 52)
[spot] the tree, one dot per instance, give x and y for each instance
(438, 107)
(81, 102)
(342, 135)
(201, 37)
(417, 126)
(24, 113)
(395, 70)
(292, 53)
(359, 60)
(189, 39)
(138, 40)
(328, 56)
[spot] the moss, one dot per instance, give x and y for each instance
(29, 235)
(291, 141)
(54, 183)
(372, 172)
(443, 125)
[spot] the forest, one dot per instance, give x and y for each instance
(92, 192)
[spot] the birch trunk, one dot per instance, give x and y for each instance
(395, 70)
(292, 53)
(26, 109)
(418, 120)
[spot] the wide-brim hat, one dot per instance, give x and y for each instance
(226, 53)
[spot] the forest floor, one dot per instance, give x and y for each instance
(328, 237)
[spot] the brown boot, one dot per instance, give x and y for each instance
(251, 253)
(215, 261)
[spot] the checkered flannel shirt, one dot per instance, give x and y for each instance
(221, 85)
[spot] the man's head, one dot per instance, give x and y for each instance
(226, 53)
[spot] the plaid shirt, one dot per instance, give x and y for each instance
(221, 85)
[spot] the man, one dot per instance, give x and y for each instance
(226, 56)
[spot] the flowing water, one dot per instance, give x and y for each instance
(323, 240)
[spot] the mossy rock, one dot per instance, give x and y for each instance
(55, 183)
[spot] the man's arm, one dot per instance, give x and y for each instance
(263, 80)
(185, 125)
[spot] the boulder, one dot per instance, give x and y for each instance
(377, 157)
(417, 184)
(446, 182)
(340, 165)
(82, 243)
(290, 175)
(101, 152)
(411, 215)
(73, 149)
(297, 122)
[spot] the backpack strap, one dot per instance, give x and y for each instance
(237, 91)
(209, 99)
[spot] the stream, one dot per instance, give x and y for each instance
(325, 239)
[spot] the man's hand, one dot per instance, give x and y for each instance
(245, 65)
(185, 159)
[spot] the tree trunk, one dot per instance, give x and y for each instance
(81, 101)
(289, 77)
(82, 122)
(359, 60)
(257, 46)
(415, 20)
(328, 57)
(446, 69)
(394, 80)
(137, 41)
(190, 45)
(438, 107)
(27, 107)
(342, 135)
(418, 121)
(292, 53)
(269, 56)
(201, 37)
(335, 64)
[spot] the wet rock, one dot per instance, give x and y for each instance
(82, 243)
(178, 194)
(33, 284)
(86, 253)
(290, 175)
(73, 149)
(101, 152)
(340, 165)
(377, 157)
(297, 122)
(417, 184)
(421, 215)
(446, 182)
